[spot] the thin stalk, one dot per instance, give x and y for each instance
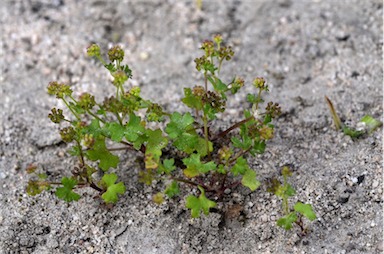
(220, 63)
(81, 156)
(190, 182)
(236, 125)
(95, 116)
(73, 112)
(242, 152)
(205, 120)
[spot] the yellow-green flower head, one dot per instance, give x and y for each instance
(93, 50)
(259, 83)
(116, 53)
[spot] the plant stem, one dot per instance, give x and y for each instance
(205, 120)
(73, 112)
(190, 182)
(81, 156)
(236, 125)
(242, 152)
(95, 116)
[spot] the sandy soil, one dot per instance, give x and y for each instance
(304, 49)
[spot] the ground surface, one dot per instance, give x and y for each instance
(304, 49)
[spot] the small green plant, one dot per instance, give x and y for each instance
(188, 151)
(291, 216)
(366, 125)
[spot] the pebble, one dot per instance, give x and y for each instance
(144, 56)
(375, 184)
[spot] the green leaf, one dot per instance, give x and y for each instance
(221, 169)
(179, 124)
(371, 123)
(167, 166)
(287, 221)
(187, 142)
(195, 167)
(201, 147)
(245, 143)
(240, 167)
(156, 142)
(100, 152)
(306, 210)
(352, 132)
(93, 128)
(251, 98)
(210, 111)
(258, 147)
(267, 119)
(134, 129)
(202, 203)
(285, 190)
(190, 100)
(110, 196)
(217, 84)
(290, 191)
(172, 189)
(181, 130)
(115, 130)
(249, 180)
(236, 142)
(65, 193)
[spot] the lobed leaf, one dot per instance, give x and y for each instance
(249, 180)
(65, 193)
(306, 210)
(110, 196)
(172, 189)
(99, 152)
(195, 167)
(287, 221)
(156, 142)
(200, 204)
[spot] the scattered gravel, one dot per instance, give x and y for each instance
(304, 49)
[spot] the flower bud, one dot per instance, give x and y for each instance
(259, 83)
(93, 50)
(116, 53)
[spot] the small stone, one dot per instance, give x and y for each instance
(343, 198)
(144, 56)
(375, 184)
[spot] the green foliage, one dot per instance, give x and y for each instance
(306, 210)
(200, 204)
(100, 152)
(172, 189)
(66, 192)
(110, 196)
(291, 216)
(195, 167)
(366, 125)
(287, 221)
(188, 154)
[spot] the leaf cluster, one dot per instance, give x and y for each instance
(208, 160)
(291, 216)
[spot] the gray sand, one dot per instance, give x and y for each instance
(304, 49)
